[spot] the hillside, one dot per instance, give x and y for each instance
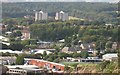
(103, 67)
(92, 11)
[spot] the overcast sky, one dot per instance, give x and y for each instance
(111, 1)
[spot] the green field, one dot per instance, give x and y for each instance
(79, 63)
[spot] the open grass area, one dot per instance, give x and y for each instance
(79, 63)
(75, 18)
(80, 66)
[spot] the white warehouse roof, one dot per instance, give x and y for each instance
(41, 51)
(22, 66)
(109, 56)
(10, 51)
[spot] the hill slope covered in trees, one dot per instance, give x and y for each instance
(92, 11)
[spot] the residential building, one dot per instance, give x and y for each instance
(114, 45)
(8, 33)
(62, 41)
(87, 46)
(41, 15)
(28, 17)
(44, 44)
(61, 16)
(69, 59)
(5, 60)
(91, 60)
(71, 49)
(109, 24)
(25, 34)
(78, 48)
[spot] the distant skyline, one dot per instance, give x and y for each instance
(110, 1)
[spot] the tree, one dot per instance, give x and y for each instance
(50, 59)
(63, 55)
(12, 39)
(25, 42)
(104, 64)
(108, 44)
(76, 55)
(84, 54)
(31, 46)
(18, 33)
(33, 41)
(38, 56)
(16, 46)
(68, 41)
(4, 46)
(44, 54)
(20, 60)
(57, 60)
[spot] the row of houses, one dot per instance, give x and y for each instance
(24, 30)
(33, 51)
(90, 47)
(105, 57)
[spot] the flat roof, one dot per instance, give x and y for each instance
(111, 54)
(27, 69)
(22, 66)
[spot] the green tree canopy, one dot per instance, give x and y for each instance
(20, 60)
(84, 54)
(16, 46)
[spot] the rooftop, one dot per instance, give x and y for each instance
(111, 54)
(22, 66)
(44, 61)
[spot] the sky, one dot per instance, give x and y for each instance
(111, 1)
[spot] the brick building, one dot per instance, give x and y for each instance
(45, 64)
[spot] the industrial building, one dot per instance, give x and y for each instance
(45, 64)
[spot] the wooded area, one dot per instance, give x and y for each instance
(92, 11)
